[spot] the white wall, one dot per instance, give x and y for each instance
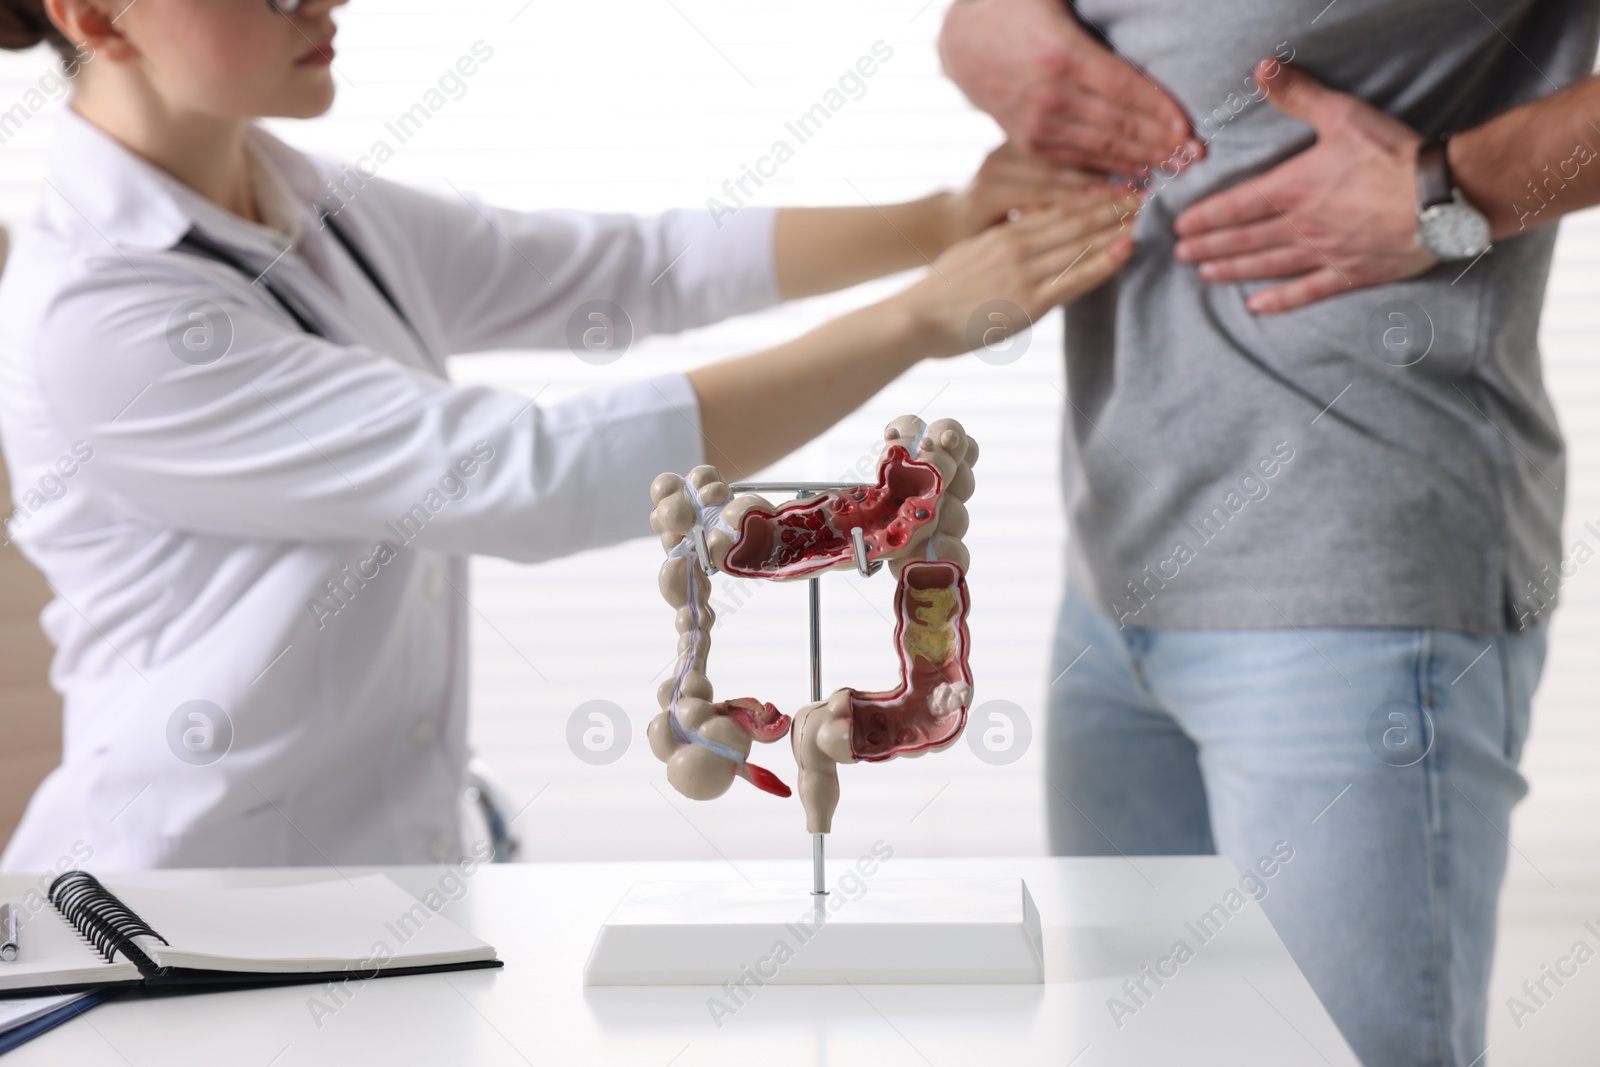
(647, 104)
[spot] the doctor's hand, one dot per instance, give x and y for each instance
(1339, 216)
(1011, 180)
(1057, 91)
(759, 407)
(1042, 258)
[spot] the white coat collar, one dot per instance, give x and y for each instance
(107, 193)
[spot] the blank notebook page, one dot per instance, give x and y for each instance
(52, 953)
(323, 926)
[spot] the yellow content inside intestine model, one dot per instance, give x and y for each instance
(931, 632)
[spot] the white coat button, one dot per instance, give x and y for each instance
(433, 582)
(423, 731)
(441, 848)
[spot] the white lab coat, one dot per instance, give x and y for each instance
(282, 533)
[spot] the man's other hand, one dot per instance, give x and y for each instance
(1339, 216)
(1057, 92)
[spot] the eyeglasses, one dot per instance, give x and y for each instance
(285, 7)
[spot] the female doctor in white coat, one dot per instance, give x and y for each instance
(270, 486)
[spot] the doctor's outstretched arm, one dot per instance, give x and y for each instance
(820, 249)
(760, 407)
(291, 437)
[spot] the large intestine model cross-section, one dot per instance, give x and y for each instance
(913, 519)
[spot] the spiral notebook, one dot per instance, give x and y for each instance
(141, 928)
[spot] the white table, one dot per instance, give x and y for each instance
(1239, 1000)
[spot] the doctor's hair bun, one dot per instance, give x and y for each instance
(23, 24)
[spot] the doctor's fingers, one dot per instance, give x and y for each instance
(1003, 255)
(1100, 256)
(1029, 180)
(1058, 255)
(1044, 228)
(1061, 221)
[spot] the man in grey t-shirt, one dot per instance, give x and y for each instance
(1313, 480)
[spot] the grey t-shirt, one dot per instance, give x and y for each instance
(1387, 457)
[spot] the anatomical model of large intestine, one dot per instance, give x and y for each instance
(913, 519)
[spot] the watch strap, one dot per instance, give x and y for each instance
(1433, 174)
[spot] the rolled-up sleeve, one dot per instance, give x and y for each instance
(290, 436)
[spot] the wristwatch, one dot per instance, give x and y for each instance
(1447, 225)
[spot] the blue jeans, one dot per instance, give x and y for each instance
(1384, 759)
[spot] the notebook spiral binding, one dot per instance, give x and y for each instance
(104, 921)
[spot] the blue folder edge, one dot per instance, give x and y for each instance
(44, 1023)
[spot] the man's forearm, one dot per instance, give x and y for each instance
(1535, 163)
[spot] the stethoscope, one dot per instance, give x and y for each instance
(196, 243)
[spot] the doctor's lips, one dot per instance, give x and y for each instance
(319, 54)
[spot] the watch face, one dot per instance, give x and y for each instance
(1453, 231)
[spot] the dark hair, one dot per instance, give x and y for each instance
(23, 24)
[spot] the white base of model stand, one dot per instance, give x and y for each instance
(896, 932)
